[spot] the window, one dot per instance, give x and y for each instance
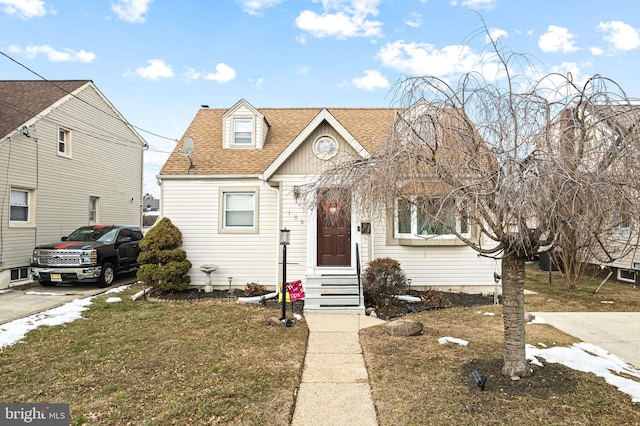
(19, 274)
(627, 275)
(94, 210)
(242, 131)
(414, 217)
(64, 142)
(622, 225)
(22, 201)
(238, 209)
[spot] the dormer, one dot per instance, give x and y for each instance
(244, 127)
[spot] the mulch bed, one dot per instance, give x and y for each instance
(430, 300)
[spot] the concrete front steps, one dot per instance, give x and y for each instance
(333, 294)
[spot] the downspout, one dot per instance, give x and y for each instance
(278, 221)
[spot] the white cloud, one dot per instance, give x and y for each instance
(156, 70)
(133, 11)
(223, 74)
(596, 51)
(495, 34)
(414, 20)
(622, 36)
(23, 9)
(255, 7)
(557, 39)
(371, 80)
(478, 4)
(424, 59)
(257, 83)
(65, 55)
(342, 19)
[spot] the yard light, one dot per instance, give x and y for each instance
(284, 242)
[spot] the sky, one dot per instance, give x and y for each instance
(581, 356)
(158, 61)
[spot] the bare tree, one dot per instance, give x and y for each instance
(528, 164)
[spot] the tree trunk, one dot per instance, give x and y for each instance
(515, 361)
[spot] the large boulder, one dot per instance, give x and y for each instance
(404, 327)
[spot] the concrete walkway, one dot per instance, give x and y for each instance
(335, 385)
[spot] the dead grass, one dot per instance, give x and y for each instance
(417, 381)
(165, 363)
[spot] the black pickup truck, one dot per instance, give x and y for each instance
(89, 254)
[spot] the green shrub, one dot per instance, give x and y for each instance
(382, 279)
(163, 264)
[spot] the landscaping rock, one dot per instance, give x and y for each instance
(529, 317)
(274, 322)
(404, 327)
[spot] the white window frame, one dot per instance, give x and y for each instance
(243, 141)
(629, 280)
(64, 142)
(30, 206)
(224, 194)
(94, 209)
(23, 274)
(414, 234)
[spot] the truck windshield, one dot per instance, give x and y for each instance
(89, 234)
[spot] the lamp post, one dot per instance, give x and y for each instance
(284, 242)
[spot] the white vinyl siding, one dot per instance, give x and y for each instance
(195, 207)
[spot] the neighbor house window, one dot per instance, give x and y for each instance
(414, 218)
(94, 210)
(21, 208)
(64, 142)
(20, 274)
(243, 131)
(623, 225)
(627, 275)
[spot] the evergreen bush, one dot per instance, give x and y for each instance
(164, 265)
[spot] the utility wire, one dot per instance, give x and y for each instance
(84, 101)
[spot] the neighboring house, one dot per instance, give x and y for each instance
(240, 186)
(150, 211)
(67, 159)
(615, 123)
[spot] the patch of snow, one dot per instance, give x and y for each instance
(489, 314)
(117, 289)
(113, 300)
(607, 301)
(537, 320)
(542, 345)
(42, 293)
(445, 340)
(14, 331)
(589, 358)
(5, 291)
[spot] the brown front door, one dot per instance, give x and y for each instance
(334, 231)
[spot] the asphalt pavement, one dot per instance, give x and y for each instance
(21, 301)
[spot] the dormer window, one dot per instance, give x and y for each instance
(243, 131)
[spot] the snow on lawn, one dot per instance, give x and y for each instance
(14, 331)
(590, 358)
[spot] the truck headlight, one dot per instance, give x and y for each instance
(89, 256)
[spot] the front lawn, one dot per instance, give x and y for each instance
(161, 363)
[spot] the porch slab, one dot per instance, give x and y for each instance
(335, 404)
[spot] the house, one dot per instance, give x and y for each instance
(235, 185)
(68, 159)
(599, 137)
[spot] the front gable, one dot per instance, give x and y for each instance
(244, 127)
(323, 124)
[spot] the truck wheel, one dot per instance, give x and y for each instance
(47, 284)
(107, 275)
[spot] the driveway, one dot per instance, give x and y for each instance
(616, 332)
(22, 301)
